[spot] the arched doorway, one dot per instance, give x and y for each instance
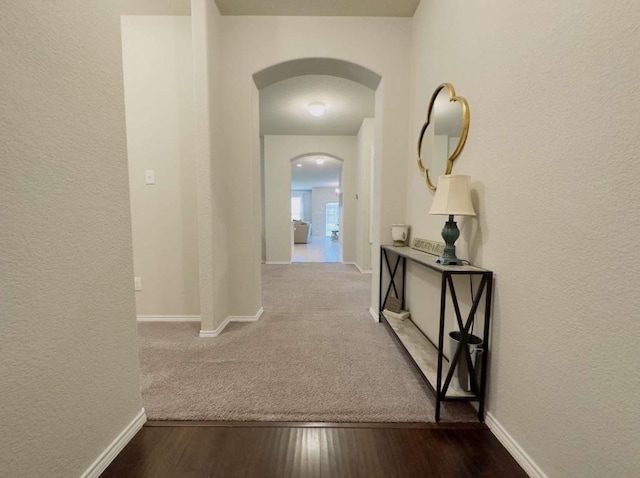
(317, 208)
(348, 92)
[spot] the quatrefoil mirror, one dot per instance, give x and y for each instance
(443, 134)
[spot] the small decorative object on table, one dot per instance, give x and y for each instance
(428, 246)
(399, 234)
(394, 309)
(402, 315)
(394, 304)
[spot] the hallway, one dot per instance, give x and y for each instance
(314, 355)
(314, 388)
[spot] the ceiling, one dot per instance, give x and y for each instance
(316, 66)
(284, 106)
(321, 8)
(154, 7)
(312, 175)
(331, 8)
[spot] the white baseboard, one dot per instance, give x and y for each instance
(362, 271)
(228, 320)
(168, 318)
(212, 333)
(246, 318)
(374, 314)
(277, 263)
(116, 446)
(513, 448)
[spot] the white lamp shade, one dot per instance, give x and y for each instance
(453, 196)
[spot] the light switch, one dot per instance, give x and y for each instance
(137, 283)
(149, 176)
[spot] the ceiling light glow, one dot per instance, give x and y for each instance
(299, 165)
(320, 161)
(317, 108)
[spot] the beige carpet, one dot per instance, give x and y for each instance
(315, 355)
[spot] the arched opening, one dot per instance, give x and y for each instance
(289, 131)
(317, 66)
(317, 208)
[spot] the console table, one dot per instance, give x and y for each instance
(425, 355)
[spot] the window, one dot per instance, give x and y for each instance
(296, 209)
(332, 218)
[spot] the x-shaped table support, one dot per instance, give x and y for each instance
(462, 351)
(392, 279)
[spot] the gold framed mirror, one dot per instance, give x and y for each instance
(440, 144)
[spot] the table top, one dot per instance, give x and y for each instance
(429, 260)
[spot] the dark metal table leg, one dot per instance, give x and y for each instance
(443, 302)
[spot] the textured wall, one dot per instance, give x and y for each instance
(213, 207)
(69, 358)
(158, 85)
(552, 151)
(365, 143)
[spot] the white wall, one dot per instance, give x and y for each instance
(214, 206)
(69, 360)
(278, 152)
(158, 85)
(552, 150)
(365, 148)
(305, 195)
(251, 44)
(319, 199)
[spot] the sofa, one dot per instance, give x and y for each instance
(301, 232)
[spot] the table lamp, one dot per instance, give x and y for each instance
(453, 198)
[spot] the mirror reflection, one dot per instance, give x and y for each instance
(443, 134)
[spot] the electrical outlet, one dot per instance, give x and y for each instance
(137, 283)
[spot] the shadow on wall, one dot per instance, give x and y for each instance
(471, 227)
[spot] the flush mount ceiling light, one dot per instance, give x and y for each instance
(317, 108)
(320, 161)
(299, 165)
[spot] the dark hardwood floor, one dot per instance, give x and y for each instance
(202, 450)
